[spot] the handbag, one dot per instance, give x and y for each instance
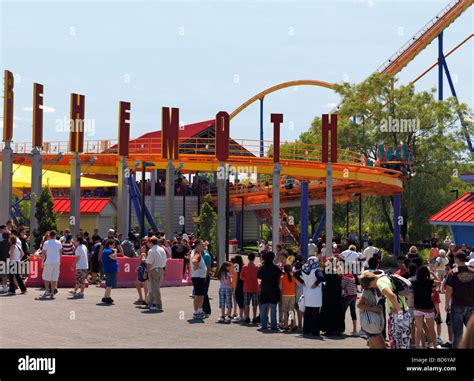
(372, 322)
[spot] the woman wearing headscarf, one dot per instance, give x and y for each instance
(332, 312)
(312, 277)
(269, 274)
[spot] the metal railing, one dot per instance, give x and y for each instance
(418, 35)
(198, 146)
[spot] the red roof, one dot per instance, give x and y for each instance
(460, 211)
(87, 205)
(187, 131)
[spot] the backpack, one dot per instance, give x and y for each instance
(401, 285)
(142, 273)
(371, 322)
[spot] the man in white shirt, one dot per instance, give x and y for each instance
(155, 264)
(312, 248)
(369, 251)
(51, 261)
(351, 259)
(81, 265)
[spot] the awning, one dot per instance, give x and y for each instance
(52, 179)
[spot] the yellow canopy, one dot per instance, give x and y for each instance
(52, 179)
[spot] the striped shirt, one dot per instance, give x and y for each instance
(349, 287)
(68, 248)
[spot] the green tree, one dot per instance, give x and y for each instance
(436, 140)
(47, 219)
(208, 227)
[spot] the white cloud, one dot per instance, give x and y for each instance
(45, 109)
(331, 105)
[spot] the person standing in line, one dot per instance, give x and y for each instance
(110, 268)
(238, 263)
(206, 305)
(288, 285)
(251, 289)
(16, 254)
(224, 275)
(269, 274)
(51, 254)
(198, 270)
(349, 294)
(67, 245)
(459, 296)
(312, 277)
(80, 265)
(156, 267)
(423, 306)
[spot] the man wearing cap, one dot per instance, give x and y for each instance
(118, 246)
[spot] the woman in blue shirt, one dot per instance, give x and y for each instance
(110, 269)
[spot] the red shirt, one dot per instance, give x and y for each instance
(249, 277)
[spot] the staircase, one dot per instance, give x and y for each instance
(286, 229)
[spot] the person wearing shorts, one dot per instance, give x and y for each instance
(81, 265)
(424, 308)
(225, 278)
(110, 269)
(251, 288)
(198, 270)
(51, 254)
(288, 296)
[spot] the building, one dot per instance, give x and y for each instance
(96, 213)
(459, 216)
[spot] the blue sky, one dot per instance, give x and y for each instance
(206, 56)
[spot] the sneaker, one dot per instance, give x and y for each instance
(227, 320)
(138, 302)
(51, 296)
(275, 329)
(79, 295)
(254, 321)
(72, 292)
(247, 321)
(104, 300)
(439, 340)
(236, 319)
(447, 344)
(221, 319)
(24, 292)
(153, 308)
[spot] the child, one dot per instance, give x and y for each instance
(288, 296)
(349, 293)
(299, 291)
(250, 285)
(225, 292)
(142, 278)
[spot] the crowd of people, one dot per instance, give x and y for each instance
(276, 289)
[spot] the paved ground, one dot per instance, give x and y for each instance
(85, 323)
